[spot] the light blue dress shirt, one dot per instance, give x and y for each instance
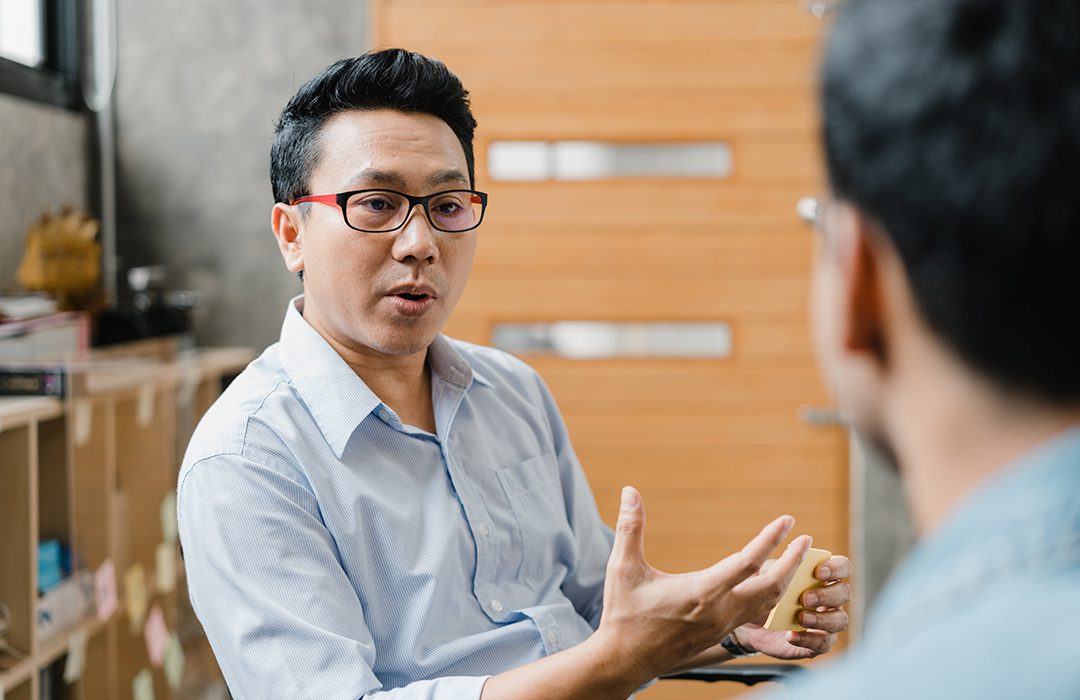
(333, 552)
(988, 606)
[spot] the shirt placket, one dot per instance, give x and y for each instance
(476, 514)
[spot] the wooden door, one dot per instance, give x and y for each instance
(716, 446)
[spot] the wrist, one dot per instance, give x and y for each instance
(615, 668)
(737, 646)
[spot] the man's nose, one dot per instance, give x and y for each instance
(417, 239)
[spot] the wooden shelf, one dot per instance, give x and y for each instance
(22, 410)
(92, 471)
(49, 652)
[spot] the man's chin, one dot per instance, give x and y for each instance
(404, 343)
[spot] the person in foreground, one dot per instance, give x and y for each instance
(375, 510)
(946, 289)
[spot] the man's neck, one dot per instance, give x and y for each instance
(951, 432)
(402, 382)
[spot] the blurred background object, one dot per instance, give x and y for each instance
(63, 260)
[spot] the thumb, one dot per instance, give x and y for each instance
(629, 546)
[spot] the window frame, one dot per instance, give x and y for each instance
(56, 81)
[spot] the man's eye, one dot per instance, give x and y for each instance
(448, 208)
(377, 204)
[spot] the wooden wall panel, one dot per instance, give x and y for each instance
(716, 446)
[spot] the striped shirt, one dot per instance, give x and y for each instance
(334, 552)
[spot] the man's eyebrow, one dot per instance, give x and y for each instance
(443, 177)
(381, 177)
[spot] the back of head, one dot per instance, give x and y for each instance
(955, 126)
(388, 79)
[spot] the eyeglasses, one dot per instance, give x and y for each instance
(382, 211)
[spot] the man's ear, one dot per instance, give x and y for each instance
(285, 221)
(861, 251)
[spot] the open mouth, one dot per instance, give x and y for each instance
(412, 301)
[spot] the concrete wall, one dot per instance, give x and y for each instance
(43, 165)
(200, 85)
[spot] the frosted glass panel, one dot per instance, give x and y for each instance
(598, 160)
(518, 160)
(602, 339)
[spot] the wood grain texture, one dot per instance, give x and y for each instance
(716, 446)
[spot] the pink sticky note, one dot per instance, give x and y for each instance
(157, 636)
(105, 598)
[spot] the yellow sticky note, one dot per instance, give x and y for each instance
(169, 526)
(166, 567)
(783, 616)
(136, 596)
(144, 405)
(76, 656)
(174, 662)
(142, 687)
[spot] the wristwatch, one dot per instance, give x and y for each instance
(734, 648)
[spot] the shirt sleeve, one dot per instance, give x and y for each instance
(267, 586)
(584, 584)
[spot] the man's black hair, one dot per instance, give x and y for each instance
(389, 79)
(955, 125)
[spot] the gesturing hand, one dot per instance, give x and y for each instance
(823, 618)
(654, 621)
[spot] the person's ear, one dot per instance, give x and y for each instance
(285, 221)
(861, 248)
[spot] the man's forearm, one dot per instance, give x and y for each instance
(589, 671)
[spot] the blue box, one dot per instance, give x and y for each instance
(50, 570)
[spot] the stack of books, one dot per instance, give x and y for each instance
(36, 344)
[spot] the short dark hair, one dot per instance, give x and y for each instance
(955, 126)
(388, 79)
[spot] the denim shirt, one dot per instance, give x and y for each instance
(333, 551)
(988, 606)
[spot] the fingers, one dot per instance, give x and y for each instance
(734, 569)
(828, 621)
(759, 548)
(780, 573)
(833, 596)
(628, 549)
(834, 569)
(816, 641)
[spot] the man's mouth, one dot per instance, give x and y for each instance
(412, 300)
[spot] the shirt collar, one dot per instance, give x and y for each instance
(447, 364)
(335, 395)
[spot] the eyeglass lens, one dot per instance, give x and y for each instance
(457, 210)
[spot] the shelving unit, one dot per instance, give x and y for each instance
(92, 471)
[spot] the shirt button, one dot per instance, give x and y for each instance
(497, 606)
(384, 414)
(483, 529)
(552, 637)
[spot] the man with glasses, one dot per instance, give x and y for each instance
(375, 510)
(946, 286)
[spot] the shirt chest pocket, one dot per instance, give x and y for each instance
(534, 495)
